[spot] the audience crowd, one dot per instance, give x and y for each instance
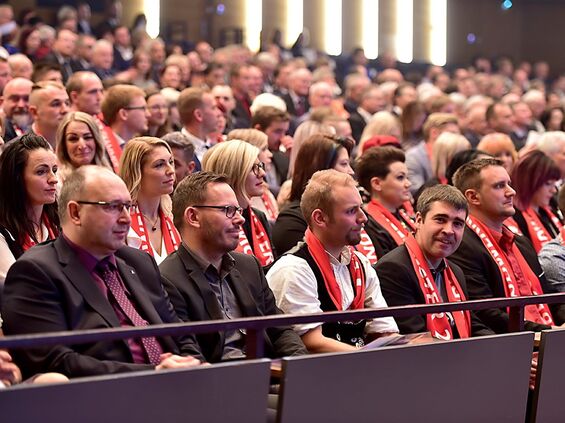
(144, 182)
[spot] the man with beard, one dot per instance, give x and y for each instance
(15, 102)
(325, 273)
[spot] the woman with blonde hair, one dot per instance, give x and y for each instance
(382, 123)
(267, 203)
(147, 168)
(78, 142)
(443, 150)
(500, 146)
(240, 162)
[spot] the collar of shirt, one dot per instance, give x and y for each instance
(344, 257)
(226, 266)
(87, 259)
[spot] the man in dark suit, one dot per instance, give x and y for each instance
(372, 101)
(63, 51)
(88, 279)
(206, 280)
(486, 185)
(417, 271)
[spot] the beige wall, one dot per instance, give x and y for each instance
(532, 29)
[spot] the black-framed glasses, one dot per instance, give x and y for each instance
(110, 206)
(230, 211)
(135, 108)
(257, 167)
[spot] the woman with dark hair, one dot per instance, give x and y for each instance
(28, 193)
(553, 119)
(412, 121)
(139, 73)
(158, 121)
(29, 42)
(383, 174)
(534, 177)
(319, 152)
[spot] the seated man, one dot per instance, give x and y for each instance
(552, 254)
(325, 273)
(497, 263)
(207, 280)
(417, 272)
(88, 279)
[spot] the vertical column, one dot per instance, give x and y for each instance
(152, 10)
(332, 25)
(437, 54)
(294, 20)
(370, 27)
(404, 31)
(253, 23)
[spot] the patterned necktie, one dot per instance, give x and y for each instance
(109, 277)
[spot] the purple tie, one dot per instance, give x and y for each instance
(150, 344)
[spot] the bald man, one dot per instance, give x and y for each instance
(15, 103)
(48, 105)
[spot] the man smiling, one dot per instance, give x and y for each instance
(417, 272)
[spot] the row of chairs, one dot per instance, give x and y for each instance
(473, 380)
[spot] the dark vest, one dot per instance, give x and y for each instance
(351, 333)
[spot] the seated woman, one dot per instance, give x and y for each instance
(158, 121)
(381, 171)
(534, 177)
(499, 145)
(319, 152)
(147, 168)
(28, 193)
(240, 162)
(266, 202)
(79, 143)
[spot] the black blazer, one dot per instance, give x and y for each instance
(289, 227)
(400, 287)
(281, 164)
(484, 280)
(48, 290)
(194, 300)
(358, 124)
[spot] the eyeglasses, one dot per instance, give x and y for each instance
(135, 108)
(115, 207)
(157, 107)
(257, 167)
(230, 211)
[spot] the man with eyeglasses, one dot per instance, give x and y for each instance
(207, 280)
(125, 111)
(89, 279)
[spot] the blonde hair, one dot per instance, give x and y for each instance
(252, 136)
(234, 159)
(496, 143)
(445, 147)
(382, 123)
(133, 159)
(99, 159)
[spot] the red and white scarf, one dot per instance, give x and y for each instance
(537, 231)
(322, 259)
(52, 233)
(388, 221)
(511, 224)
(366, 247)
(270, 208)
(168, 231)
(438, 323)
(538, 313)
(111, 144)
(261, 244)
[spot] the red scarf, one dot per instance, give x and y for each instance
(367, 248)
(408, 210)
(168, 231)
(438, 324)
(537, 231)
(388, 221)
(261, 244)
(538, 313)
(320, 256)
(52, 233)
(111, 144)
(511, 224)
(270, 209)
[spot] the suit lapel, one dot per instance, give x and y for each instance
(241, 291)
(195, 273)
(135, 287)
(84, 283)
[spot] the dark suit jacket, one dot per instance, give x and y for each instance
(48, 290)
(289, 227)
(358, 124)
(382, 240)
(66, 69)
(194, 300)
(241, 114)
(281, 164)
(400, 287)
(291, 107)
(484, 280)
(9, 132)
